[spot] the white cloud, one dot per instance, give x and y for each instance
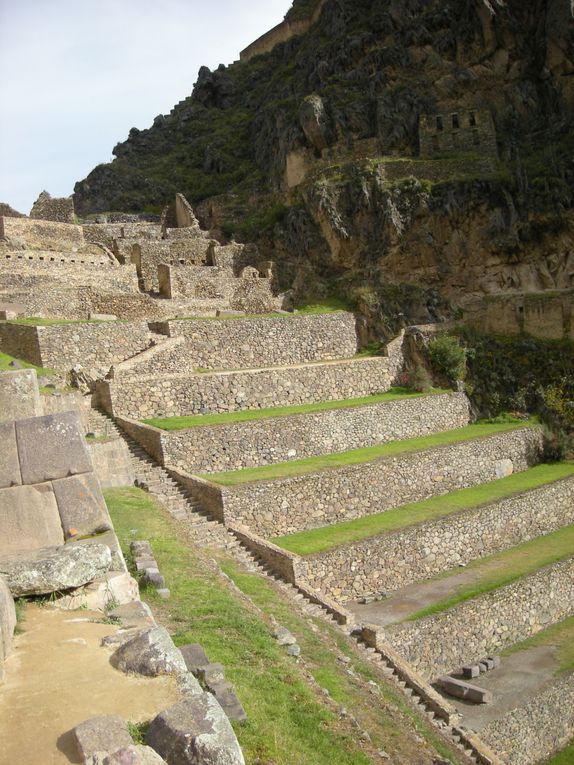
(76, 76)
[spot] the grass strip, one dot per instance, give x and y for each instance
(325, 538)
(185, 423)
(506, 567)
(6, 360)
(358, 456)
(560, 635)
(289, 722)
(33, 321)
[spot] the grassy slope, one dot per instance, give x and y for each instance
(565, 757)
(290, 721)
(183, 423)
(506, 567)
(357, 456)
(560, 635)
(325, 538)
(5, 360)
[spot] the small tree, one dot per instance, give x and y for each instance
(447, 358)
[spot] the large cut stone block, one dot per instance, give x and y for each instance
(55, 570)
(51, 447)
(105, 733)
(29, 519)
(195, 731)
(82, 506)
(151, 653)
(9, 462)
(19, 395)
(7, 619)
(462, 690)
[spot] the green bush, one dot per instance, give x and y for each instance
(419, 379)
(557, 446)
(447, 358)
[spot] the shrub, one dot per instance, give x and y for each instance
(557, 446)
(447, 358)
(419, 379)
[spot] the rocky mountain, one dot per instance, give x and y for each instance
(408, 155)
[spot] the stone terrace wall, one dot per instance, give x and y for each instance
(42, 235)
(536, 730)
(210, 449)
(196, 281)
(396, 559)
(63, 345)
(142, 397)
(59, 209)
(287, 505)
(241, 343)
(487, 624)
(148, 255)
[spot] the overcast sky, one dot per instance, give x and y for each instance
(75, 76)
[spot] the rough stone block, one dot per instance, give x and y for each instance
(54, 570)
(229, 701)
(495, 661)
(461, 690)
(489, 663)
(153, 577)
(9, 462)
(106, 733)
(483, 667)
(141, 549)
(19, 395)
(134, 614)
(195, 730)
(7, 619)
(164, 593)
(194, 656)
(29, 519)
(127, 755)
(110, 539)
(51, 447)
(103, 593)
(151, 653)
(471, 671)
(211, 674)
(81, 505)
(144, 563)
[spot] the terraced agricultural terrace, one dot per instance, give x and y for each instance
(437, 550)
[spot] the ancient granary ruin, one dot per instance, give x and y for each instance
(147, 337)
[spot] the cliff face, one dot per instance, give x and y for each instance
(407, 153)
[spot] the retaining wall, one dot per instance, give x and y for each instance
(264, 342)
(61, 346)
(536, 730)
(178, 395)
(396, 559)
(487, 624)
(41, 234)
(214, 448)
(286, 505)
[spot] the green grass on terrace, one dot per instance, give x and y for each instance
(328, 305)
(357, 456)
(5, 360)
(289, 721)
(560, 635)
(33, 321)
(183, 423)
(503, 568)
(325, 538)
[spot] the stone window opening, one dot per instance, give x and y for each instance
(439, 123)
(472, 119)
(455, 122)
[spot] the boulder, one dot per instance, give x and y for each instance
(9, 462)
(29, 519)
(127, 755)
(105, 733)
(19, 395)
(150, 653)
(195, 731)
(313, 120)
(51, 447)
(81, 505)
(54, 569)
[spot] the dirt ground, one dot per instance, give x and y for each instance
(58, 676)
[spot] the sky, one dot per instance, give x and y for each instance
(75, 76)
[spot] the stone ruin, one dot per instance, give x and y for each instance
(59, 210)
(454, 129)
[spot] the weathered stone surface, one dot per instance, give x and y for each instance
(462, 690)
(7, 619)
(105, 733)
(127, 755)
(110, 539)
(194, 656)
(9, 463)
(141, 548)
(134, 614)
(103, 593)
(471, 671)
(54, 569)
(211, 674)
(229, 701)
(81, 505)
(151, 653)
(195, 731)
(152, 576)
(29, 519)
(19, 395)
(51, 447)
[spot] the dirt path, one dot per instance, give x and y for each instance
(58, 676)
